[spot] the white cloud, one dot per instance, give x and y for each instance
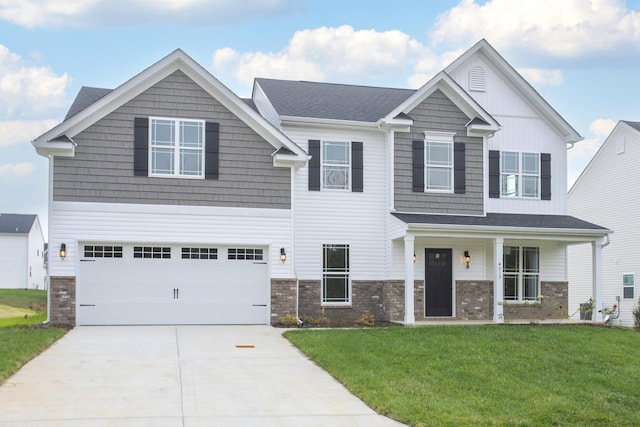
(540, 77)
(20, 169)
(22, 131)
(602, 127)
(27, 90)
(328, 53)
(566, 29)
(92, 13)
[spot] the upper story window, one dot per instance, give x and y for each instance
(176, 147)
(520, 174)
(438, 153)
(336, 165)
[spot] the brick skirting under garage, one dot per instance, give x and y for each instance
(62, 294)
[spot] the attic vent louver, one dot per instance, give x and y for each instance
(476, 79)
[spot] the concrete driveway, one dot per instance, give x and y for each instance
(178, 376)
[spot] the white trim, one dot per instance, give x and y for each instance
(348, 166)
(176, 148)
(438, 138)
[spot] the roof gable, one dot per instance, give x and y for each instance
(105, 102)
(520, 85)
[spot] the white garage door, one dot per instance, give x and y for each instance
(142, 284)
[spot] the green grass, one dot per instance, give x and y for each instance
(22, 339)
(486, 375)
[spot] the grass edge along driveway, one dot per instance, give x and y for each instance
(486, 375)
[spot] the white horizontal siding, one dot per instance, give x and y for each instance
(13, 260)
(72, 222)
(265, 107)
(608, 194)
(342, 217)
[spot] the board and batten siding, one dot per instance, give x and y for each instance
(73, 222)
(342, 217)
(607, 193)
(438, 113)
(102, 169)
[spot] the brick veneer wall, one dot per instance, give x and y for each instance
(556, 300)
(62, 292)
(283, 298)
(474, 299)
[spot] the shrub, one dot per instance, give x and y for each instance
(636, 315)
(289, 320)
(312, 321)
(366, 319)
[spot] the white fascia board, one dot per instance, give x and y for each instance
(56, 148)
(561, 234)
(568, 133)
(177, 60)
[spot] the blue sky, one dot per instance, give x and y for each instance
(582, 56)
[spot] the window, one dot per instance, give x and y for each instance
(520, 174)
(521, 268)
(245, 254)
(628, 285)
(336, 165)
(336, 287)
(151, 252)
(199, 253)
(438, 165)
(177, 148)
(93, 251)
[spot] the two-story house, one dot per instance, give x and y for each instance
(175, 201)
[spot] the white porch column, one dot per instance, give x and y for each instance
(409, 250)
(596, 277)
(498, 280)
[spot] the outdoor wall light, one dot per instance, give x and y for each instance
(466, 258)
(63, 250)
(283, 255)
(415, 258)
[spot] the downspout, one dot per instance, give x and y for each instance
(49, 247)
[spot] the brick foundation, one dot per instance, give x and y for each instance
(62, 292)
(283, 298)
(474, 300)
(554, 305)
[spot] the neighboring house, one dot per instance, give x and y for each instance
(178, 202)
(607, 192)
(21, 252)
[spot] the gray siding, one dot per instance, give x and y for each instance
(438, 113)
(102, 170)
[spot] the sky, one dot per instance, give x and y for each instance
(582, 56)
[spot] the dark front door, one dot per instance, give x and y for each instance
(438, 291)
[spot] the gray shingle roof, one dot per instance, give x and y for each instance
(332, 101)
(635, 125)
(16, 223)
(503, 220)
(86, 97)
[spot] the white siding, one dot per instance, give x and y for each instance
(104, 222)
(523, 129)
(608, 194)
(357, 219)
(13, 261)
(35, 270)
(264, 106)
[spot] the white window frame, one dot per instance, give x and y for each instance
(519, 176)
(632, 286)
(336, 273)
(176, 149)
(520, 274)
(325, 164)
(440, 138)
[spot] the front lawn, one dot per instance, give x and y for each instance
(22, 338)
(486, 375)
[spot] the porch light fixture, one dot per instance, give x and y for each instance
(283, 255)
(63, 250)
(466, 258)
(415, 258)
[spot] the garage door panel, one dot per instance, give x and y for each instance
(175, 290)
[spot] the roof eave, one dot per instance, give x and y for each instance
(316, 121)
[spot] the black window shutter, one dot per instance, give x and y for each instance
(357, 167)
(212, 150)
(545, 176)
(314, 165)
(459, 171)
(141, 146)
(494, 174)
(418, 166)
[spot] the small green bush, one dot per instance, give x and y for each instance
(636, 315)
(366, 319)
(289, 320)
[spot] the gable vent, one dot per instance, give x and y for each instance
(477, 79)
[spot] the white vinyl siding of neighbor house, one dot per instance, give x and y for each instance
(607, 193)
(35, 269)
(522, 130)
(132, 223)
(342, 217)
(13, 260)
